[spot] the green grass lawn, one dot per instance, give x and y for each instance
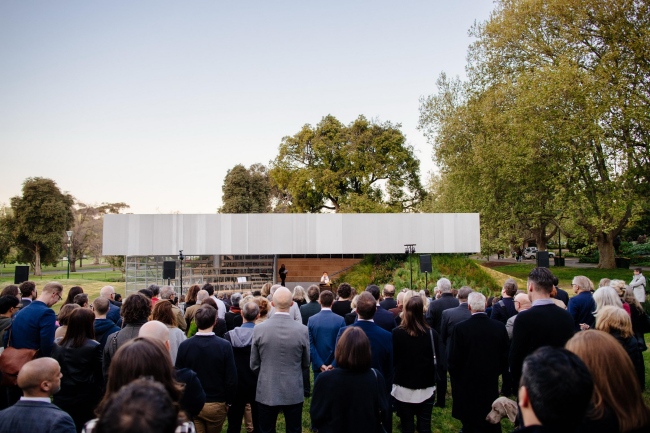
(565, 274)
(62, 266)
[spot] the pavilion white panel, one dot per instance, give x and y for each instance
(249, 234)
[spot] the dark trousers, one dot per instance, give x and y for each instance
(305, 381)
(441, 387)
(480, 426)
(268, 417)
(236, 413)
(507, 386)
(421, 411)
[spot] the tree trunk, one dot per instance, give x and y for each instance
(73, 267)
(37, 261)
(606, 251)
(96, 262)
(81, 259)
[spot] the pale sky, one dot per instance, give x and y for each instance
(151, 102)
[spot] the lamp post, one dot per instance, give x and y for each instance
(410, 249)
(181, 257)
(69, 233)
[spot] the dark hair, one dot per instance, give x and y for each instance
(81, 299)
(65, 312)
(146, 292)
(353, 350)
(81, 327)
(490, 301)
(313, 292)
(559, 386)
(205, 317)
(344, 290)
(427, 293)
(542, 279)
(191, 294)
(143, 406)
(366, 306)
(326, 298)
(257, 293)
(141, 357)
(556, 281)
(74, 291)
(510, 287)
(639, 270)
(26, 288)
(136, 308)
(8, 302)
(208, 288)
(374, 291)
(117, 297)
(154, 288)
(413, 318)
(10, 290)
(163, 312)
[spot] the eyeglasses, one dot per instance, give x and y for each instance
(58, 295)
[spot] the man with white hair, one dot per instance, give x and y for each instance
(113, 314)
(389, 298)
(478, 354)
(400, 305)
(167, 293)
(294, 311)
(193, 397)
(446, 301)
(279, 353)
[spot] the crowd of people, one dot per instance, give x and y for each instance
(153, 363)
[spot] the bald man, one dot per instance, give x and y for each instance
(279, 353)
(193, 398)
(294, 310)
(34, 413)
(113, 314)
(522, 303)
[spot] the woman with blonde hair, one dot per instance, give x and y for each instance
(266, 289)
(617, 403)
(299, 296)
(619, 286)
(617, 323)
(265, 307)
(352, 315)
(606, 297)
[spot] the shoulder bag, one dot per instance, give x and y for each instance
(12, 360)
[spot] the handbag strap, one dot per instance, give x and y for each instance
(433, 348)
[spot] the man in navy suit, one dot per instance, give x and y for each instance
(389, 298)
(33, 326)
(34, 413)
(381, 343)
(383, 318)
(28, 293)
(323, 328)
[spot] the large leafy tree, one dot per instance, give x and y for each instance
(575, 75)
(365, 166)
(246, 190)
(38, 221)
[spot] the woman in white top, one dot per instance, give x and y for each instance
(324, 279)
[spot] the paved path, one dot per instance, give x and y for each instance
(570, 262)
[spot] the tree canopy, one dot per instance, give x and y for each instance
(246, 190)
(365, 166)
(552, 119)
(38, 220)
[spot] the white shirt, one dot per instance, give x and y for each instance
(325, 279)
(283, 313)
(539, 302)
(222, 307)
(41, 399)
(205, 333)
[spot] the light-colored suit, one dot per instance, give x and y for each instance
(279, 353)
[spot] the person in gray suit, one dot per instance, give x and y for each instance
(34, 413)
(279, 353)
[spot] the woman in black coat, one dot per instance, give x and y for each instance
(353, 396)
(415, 349)
(80, 358)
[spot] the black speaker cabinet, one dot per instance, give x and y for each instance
(169, 270)
(542, 259)
(425, 263)
(21, 275)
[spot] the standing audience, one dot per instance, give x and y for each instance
(522, 303)
(351, 397)
(312, 307)
(163, 312)
(74, 291)
(28, 292)
(582, 306)
(638, 285)
(505, 308)
(279, 353)
(63, 317)
(342, 305)
(103, 326)
(167, 293)
(389, 301)
(114, 312)
(233, 316)
(323, 329)
(80, 358)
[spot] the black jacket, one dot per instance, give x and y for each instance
(388, 304)
(193, 397)
(631, 346)
(81, 368)
(503, 310)
(478, 354)
(415, 354)
(344, 401)
(342, 308)
(434, 313)
(308, 310)
(450, 318)
(543, 325)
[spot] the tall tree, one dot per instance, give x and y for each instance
(246, 190)
(363, 167)
(38, 221)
